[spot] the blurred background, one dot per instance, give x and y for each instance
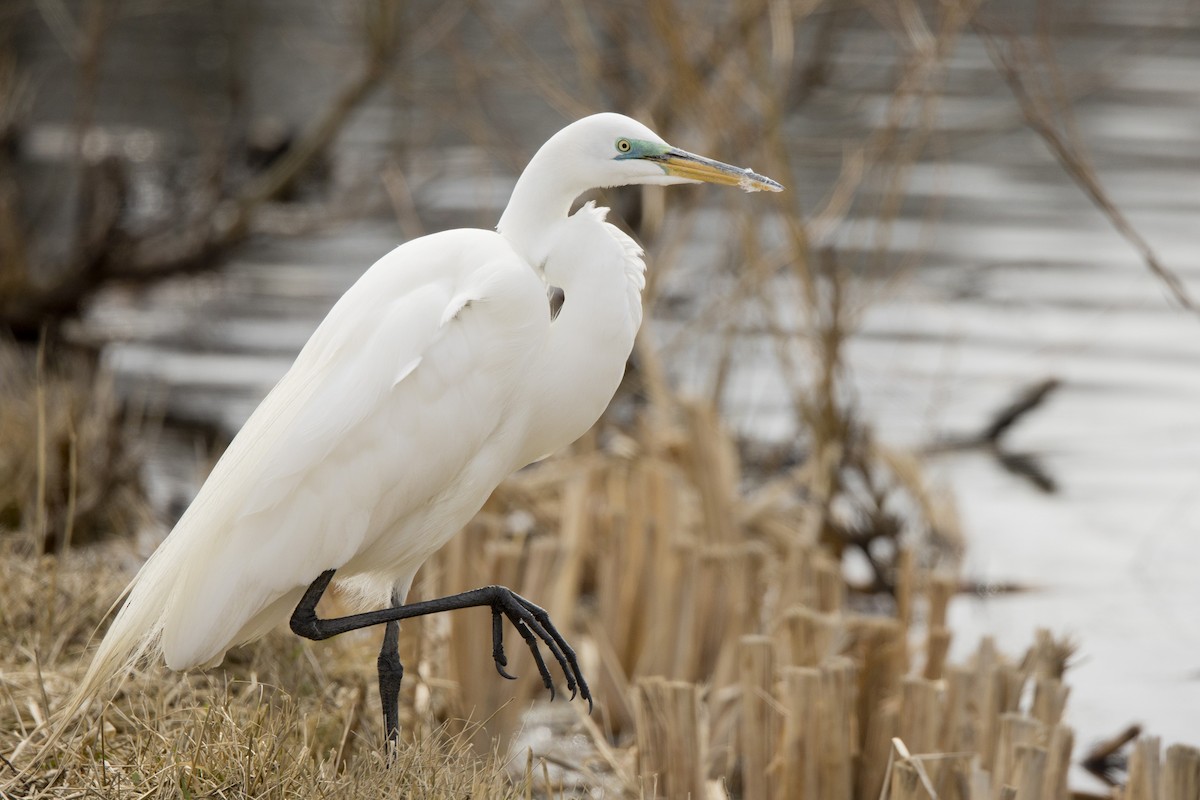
(985, 261)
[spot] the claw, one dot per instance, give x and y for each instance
(547, 681)
(534, 624)
(558, 646)
(531, 640)
(498, 645)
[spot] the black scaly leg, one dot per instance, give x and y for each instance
(391, 673)
(531, 622)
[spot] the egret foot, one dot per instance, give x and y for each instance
(531, 622)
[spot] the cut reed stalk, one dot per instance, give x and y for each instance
(1015, 731)
(1181, 776)
(906, 782)
(760, 717)
(937, 647)
(1144, 778)
(1029, 771)
(1058, 762)
(671, 743)
(798, 752)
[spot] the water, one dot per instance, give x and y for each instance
(1020, 278)
(1025, 280)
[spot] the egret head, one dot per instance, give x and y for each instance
(599, 151)
(614, 150)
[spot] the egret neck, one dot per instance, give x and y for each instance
(601, 273)
(542, 197)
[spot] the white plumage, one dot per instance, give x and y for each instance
(435, 376)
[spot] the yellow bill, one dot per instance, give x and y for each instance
(683, 164)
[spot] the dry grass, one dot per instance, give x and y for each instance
(276, 721)
(719, 635)
(68, 465)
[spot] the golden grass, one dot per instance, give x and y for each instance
(723, 646)
(276, 721)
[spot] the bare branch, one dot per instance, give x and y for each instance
(1010, 62)
(105, 252)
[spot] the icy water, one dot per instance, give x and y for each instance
(1020, 279)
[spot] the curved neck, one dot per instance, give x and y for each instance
(541, 198)
(600, 272)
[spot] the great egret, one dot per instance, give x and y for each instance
(440, 372)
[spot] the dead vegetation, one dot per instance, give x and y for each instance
(197, 225)
(69, 465)
(719, 635)
(229, 733)
(703, 578)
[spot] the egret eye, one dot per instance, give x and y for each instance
(623, 146)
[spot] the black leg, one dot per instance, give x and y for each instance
(531, 622)
(391, 673)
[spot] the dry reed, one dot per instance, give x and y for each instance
(70, 457)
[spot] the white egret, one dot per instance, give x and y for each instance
(439, 373)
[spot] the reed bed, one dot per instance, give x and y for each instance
(728, 655)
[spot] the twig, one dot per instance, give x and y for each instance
(1028, 400)
(1073, 159)
(312, 143)
(105, 253)
(1023, 465)
(1102, 760)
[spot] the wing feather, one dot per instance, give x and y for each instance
(391, 399)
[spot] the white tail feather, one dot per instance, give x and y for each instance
(133, 635)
